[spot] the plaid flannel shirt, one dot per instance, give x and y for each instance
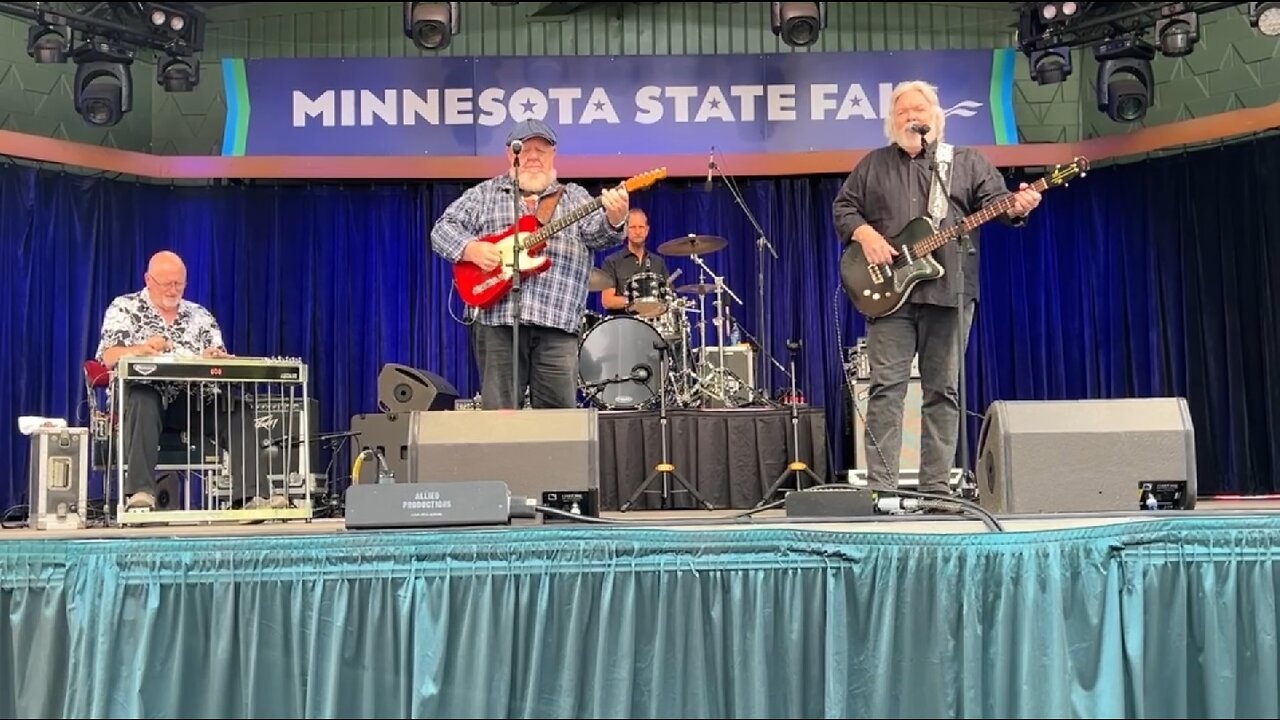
(556, 298)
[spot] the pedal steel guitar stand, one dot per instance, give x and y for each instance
(665, 469)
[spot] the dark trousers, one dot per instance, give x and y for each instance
(208, 426)
(892, 342)
(548, 363)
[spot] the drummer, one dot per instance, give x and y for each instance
(630, 261)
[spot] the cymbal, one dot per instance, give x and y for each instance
(692, 245)
(697, 289)
(598, 281)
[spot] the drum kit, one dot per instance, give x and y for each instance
(620, 358)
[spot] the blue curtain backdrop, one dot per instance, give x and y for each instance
(1153, 278)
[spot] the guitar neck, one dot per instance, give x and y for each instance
(982, 217)
(561, 223)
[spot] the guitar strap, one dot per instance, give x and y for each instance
(938, 205)
(547, 206)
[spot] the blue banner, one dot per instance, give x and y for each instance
(683, 104)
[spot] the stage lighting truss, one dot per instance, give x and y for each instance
(172, 29)
(1057, 27)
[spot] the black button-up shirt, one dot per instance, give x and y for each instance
(889, 188)
(624, 265)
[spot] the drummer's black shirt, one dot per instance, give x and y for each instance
(624, 264)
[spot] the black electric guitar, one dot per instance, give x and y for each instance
(878, 290)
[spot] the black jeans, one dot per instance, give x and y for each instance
(892, 342)
(210, 427)
(548, 367)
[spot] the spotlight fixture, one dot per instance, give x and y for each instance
(178, 74)
(1125, 84)
(47, 44)
(1265, 16)
(103, 84)
(1050, 66)
(431, 25)
(1177, 30)
(798, 24)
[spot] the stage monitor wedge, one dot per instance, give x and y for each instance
(405, 389)
(1085, 455)
(544, 454)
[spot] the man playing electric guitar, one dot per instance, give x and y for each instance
(890, 187)
(552, 302)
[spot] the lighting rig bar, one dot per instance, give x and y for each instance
(125, 23)
(1098, 22)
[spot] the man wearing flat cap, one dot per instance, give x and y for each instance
(553, 302)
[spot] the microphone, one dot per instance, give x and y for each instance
(920, 128)
(516, 146)
(711, 165)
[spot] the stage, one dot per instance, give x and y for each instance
(658, 614)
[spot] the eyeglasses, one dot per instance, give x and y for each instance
(173, 285)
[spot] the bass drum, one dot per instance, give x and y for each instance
(618, 365)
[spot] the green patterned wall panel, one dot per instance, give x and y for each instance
(38, 99)
(1233, 66)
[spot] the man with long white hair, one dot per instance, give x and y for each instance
(890, 187)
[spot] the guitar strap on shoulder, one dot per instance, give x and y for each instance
(938, 205)
(547, 206)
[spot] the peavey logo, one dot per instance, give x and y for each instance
(266, 422)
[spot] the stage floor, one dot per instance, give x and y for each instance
(690, 520)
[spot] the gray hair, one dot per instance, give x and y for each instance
(938, 124)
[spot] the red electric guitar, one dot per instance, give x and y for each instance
(529, 238)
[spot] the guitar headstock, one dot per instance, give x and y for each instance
(1061, 174)
(645, 180)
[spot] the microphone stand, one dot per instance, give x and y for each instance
(963, 249)
(517, 397)
(763, 319)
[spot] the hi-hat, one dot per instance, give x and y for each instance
(599, 281)
(692, 245)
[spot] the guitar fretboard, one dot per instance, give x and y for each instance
(983, 216)
(560, 223)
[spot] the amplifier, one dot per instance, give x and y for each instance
(739, 360)
(552, 456)
(271, 451)
(58, 476)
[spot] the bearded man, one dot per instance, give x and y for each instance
(890, 187)
(552, 302)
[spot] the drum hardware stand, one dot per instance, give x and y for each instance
(720, 378)
(665, 469)
(796, 465)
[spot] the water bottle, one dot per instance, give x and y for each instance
(735, 334)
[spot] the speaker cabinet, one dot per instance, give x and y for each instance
(405, 389)
(1085, 455)
(533, 451)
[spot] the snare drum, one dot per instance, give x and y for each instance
(648, 294)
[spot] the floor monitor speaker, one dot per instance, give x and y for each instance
(1086, 455)
(405, 389)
